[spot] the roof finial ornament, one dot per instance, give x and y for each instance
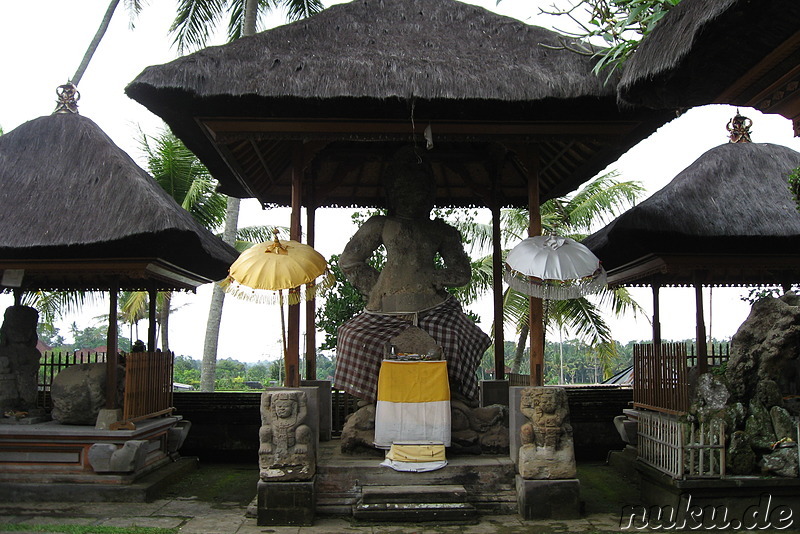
(68, 97)
(739, 128)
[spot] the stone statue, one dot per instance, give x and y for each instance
(287, 443)
(547, 451)
(410, 289)
(19, 360)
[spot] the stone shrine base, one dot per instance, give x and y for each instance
(50, 461)
(286, 503)
(744, 498)
(548, 499)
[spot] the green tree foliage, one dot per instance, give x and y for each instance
(342, 302)
(619, 24)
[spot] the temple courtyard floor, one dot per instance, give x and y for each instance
(214, 499)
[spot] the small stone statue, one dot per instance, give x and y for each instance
(287, 443)
(19, 360)
(547, 451)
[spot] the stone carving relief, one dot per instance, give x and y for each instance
(547, 450)
(287, 444)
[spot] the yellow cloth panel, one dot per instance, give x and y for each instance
(413, 382)
(415, 453)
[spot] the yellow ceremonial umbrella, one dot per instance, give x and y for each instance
(267, 269)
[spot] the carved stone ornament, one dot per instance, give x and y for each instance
(287, 443)
(547, 450)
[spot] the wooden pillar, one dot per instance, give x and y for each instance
(292, 360)
(702, 349)
(311, 306)
(152, 328)
(497, 294)
(656, 317)
(111, 353)
(535, 306)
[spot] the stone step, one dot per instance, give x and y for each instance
(450, 493)
(416, 512)
(414, 503)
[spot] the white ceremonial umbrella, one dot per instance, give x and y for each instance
(553, 267)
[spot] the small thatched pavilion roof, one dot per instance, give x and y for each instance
(339, 92)
(729, 217)
(76, 212)
(739, 52)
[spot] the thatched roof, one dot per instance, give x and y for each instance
(729, 216)
(702, 47)
(381, 71)
(70, 198)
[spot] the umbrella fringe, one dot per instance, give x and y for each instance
(555, 289)
(263, 296)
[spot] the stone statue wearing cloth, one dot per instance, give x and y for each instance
(410, 289)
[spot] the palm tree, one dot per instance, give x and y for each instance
(196, 19)
(572, 216)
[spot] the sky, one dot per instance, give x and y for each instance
(43, 41)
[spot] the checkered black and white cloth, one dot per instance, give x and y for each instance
(360, 348)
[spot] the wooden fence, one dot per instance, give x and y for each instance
(660, 378)
(718, 354)
(148, 379)
(680, 449)
(148, 384)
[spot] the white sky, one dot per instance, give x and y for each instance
(42, 42)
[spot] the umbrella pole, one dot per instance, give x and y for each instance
(283, 338)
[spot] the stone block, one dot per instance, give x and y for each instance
(515, 421)
(286, 503)
(108, 458)
(494, 392)
(548, 499)
(325, 399)
(177, 435)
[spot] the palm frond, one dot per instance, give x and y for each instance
(601, 200)
(194, 22)
(53, 305)
(301, 9)
(133, 7)
(248, 236)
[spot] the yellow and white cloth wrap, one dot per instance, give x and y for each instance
(412, 414)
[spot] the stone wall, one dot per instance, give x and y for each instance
(225, 425)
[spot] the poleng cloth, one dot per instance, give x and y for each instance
(413, 403)
(360, 348)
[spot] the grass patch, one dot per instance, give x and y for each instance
(85, 529)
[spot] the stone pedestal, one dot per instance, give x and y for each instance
(325, 403)
(515, 421)
(286, 503)
(494, 392)
(548, 499)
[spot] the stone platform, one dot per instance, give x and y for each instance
(53, 461)
(489, 481)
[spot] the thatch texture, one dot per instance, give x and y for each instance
(426, 49)
(702, 46)
(726, 214)
(67, 192)
(362, 79)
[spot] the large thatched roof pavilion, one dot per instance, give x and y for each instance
(77, 213)
(727, 219)
(737, 52)
(308, 114)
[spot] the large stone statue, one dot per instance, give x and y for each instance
(287, 444)
(547, 450)
(19, 360)
(409, 290)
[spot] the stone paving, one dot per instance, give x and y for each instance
(192, 516)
